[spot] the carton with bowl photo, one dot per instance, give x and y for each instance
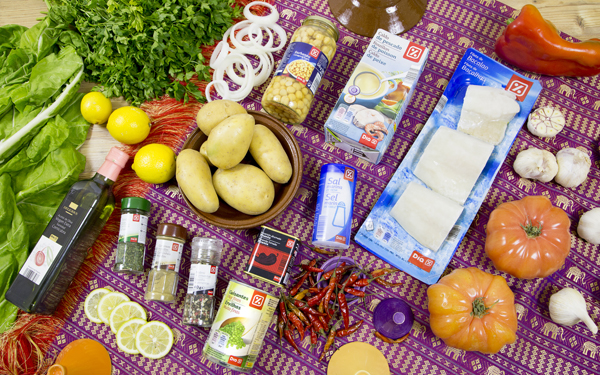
(371, 105)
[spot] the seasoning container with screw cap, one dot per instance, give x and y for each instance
(131, 248)
(199, 305)
(291, 91)
(164, 276)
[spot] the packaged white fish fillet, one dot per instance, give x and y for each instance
(396, 228)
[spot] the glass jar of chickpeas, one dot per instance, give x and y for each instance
(299, 74)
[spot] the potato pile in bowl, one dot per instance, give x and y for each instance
(232, 133)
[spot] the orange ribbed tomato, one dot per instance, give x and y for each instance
(473, 310)
(528, 238)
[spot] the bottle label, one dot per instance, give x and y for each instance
(167, 255)
(133, 228)
(305, 63)
(203, 279)
(63, 226)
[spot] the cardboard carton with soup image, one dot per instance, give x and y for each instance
(373, 85)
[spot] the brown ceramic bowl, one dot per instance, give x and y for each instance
(230, 218)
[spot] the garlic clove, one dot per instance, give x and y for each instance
(536, 164)
(568, 307)
(573, 167)
(588, 227)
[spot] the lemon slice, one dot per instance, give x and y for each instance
(126, 335)
(90, 306)
(154, 340)
(124, 312)
(108, 302)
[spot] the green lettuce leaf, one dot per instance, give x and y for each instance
(10, 35)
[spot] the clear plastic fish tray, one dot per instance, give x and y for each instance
(381, 233)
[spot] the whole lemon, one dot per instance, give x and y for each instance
(129, 125)
(154, 163)
(95, 108)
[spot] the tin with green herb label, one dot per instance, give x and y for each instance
(240, 326)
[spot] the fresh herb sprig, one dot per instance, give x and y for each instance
(143, 49)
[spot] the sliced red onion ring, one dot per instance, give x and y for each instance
(270, 19)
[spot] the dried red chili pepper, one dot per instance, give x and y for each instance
(298, 313)
(351, 280)
(290, 339)
(314, 300)
(390, 341)
(350, 330)
(297, 323)
(344, 309)
(327, 275)
(311, 280)
(303, 306)
(329, 342)
(301, 281)
(382, 271)
(301, 294)
(309, 268)
(313, 336)
(282, 311)
(316, 290)
(354, 292)
(329, 293)
(387, 283)
(280, 326)
(316, 323)
(322, 251)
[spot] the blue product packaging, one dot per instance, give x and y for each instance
(335, 203)
(383, 235)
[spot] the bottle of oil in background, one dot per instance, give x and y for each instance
(58, 254)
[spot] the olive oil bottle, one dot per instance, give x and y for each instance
(60, 252)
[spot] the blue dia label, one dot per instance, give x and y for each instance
(305, 63)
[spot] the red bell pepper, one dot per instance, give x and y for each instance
(534, 44)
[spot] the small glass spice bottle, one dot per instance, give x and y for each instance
(131, 248)
(199, 305)
(164, 276)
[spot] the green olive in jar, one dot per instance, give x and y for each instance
(290, 93)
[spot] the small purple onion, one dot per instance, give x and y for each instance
(393, 318)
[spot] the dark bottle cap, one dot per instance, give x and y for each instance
(135, 203)
(172, 230)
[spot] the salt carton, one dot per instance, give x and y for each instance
(371, 105)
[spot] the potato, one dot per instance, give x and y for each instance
(268, 152)
(229, 141)
(246, 188)
(203, 153)
(194, 179)
(211, 114)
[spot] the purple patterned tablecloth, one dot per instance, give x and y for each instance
(542, 347)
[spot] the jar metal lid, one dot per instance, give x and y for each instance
(326, 22)
(208, 243)
(135, 202)
(171, 230)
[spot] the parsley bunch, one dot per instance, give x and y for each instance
(143, 49)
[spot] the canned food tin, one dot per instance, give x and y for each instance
(291, 91)
(272, 256)
(240, 327)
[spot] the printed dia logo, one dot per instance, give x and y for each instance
(414, 52)
(257, 300)
(290, 244)
(519, 86)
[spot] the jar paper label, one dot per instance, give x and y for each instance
(305, 63)
(133, 228)
(203, 279)
(167, 255)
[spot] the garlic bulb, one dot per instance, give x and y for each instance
(546, 122)
(573, 167)
(567, 307)
(589, 226)
(536, 164)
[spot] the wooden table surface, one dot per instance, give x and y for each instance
(578, 18)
